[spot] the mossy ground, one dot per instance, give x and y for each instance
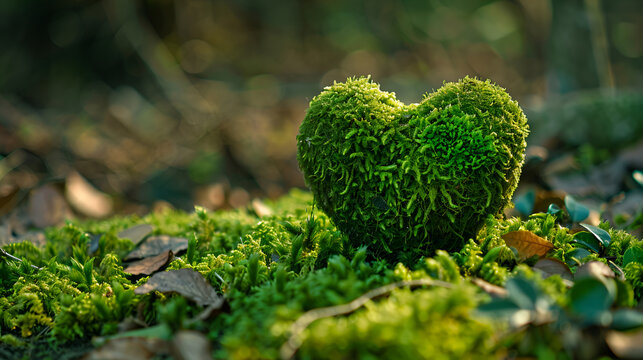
(273, 269)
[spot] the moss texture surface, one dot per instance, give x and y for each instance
(417, 177)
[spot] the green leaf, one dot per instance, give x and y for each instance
(590, 297)
(553, 209)
(499, 306)
(633, 254)
(575, 256)
(522, 292)
(492, 255)
(577, 211)
(525, 203)
(602, 235)
(588, 240)
(627, 319)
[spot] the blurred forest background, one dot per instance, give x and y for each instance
(121, 106)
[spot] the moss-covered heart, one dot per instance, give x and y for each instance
(409, 179)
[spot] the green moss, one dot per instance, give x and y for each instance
(272, 270)
(424, 324)
(412, 178)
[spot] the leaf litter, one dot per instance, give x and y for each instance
(527, 243)
(187, 282)
(150, 264)
(155, 245)
(136, 233)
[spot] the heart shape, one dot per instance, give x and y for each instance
(406, 180)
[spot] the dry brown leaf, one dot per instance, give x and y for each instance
(626, 345)
(549, 267)
(8, 198)
(260, 208)
(136, 233)
(155, 245)
(186, 282)
(131, 348)
(489, 288)
(190, 345)
(595, 269)
(47, 207)
(86, 199)
(527, 243)
(150, 265)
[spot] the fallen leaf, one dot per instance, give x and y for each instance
(136, 233)
(595, 269)
(150, 265)
(186, 282)
(626, 345)
(131, 348)
(155, 245)
(47, 207)
(190, 345)
(527, 243)
(549, 267)
(260, 209)
(8, 198)
(489, 288)
(238, 197)
(86, 199)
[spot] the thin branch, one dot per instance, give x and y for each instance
(4, 253)
(290, 347)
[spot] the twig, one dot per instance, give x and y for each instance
(4, 253)
(290, 347)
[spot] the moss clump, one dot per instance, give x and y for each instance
(412, 178)
(404, 327)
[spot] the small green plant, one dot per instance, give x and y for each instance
(570, 327)
(410, 179)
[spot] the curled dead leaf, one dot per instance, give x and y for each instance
(136, 233)
(190, 345)
(8, 198)
(626, 345)
(85, 198)
(595, 269)
(155, 245)
(186, 282)
(489, 288)
(549, 267)
(527, 243)
(260, 209)
(151, 264)
(47, 207)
